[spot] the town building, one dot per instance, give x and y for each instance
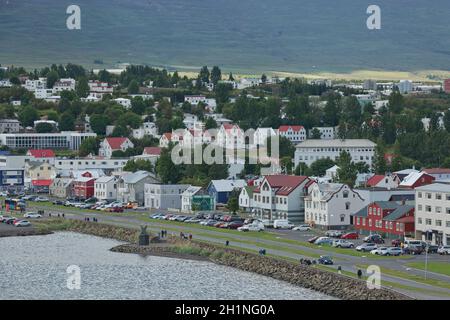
(105, 188)
(61, 188)
(220, 190)
(361, 150)
(416, 179)
(83, 187)
(330, 205)
(433, 213)
(295, 134)
(186, 198)
(63, 140)
(262, 134)
(42, 155)
(109, 145)
(131, 186)
(388, 181)
(447, 85)
(281, 197)
(230, 136)
(9, 125)
(405, 86)
(326, 133)
(124, 102)
(164, 196)
(386, 218)
(147, 129)
(440, 174)
(246, 199)
(91, 163)
(66, 84)
(98, 88)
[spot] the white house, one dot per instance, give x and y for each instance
(262, 134)
(230, 136)
(98, 88)
(9, 125)
(326, 133)
(123, 102)
(432, 213)
(147, 129)
(246, 199)
(67, 84)
(164, 196)
(131, 186)
(5, 83)
(361, 150)
(281, 197)
(109, 145)
(330, 205)
(388, 181)
(295, 134)
(186, 198)
(440, 174)
(105, 188)
(32, 85)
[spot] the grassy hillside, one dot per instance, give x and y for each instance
(241, 35)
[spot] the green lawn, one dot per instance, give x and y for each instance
(437, 267)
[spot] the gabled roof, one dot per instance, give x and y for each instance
(286, 128)
(116, 142)
(249, 190)
(105, 179)
(228, 185)
(190, 191)
(41, 153)
(437, 171)
(283, 183)
(412, 178)
(374, 180)
(152, 151)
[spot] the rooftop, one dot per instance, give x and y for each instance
(348, 143)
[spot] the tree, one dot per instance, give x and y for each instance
(98, 123)
(216, 75)
(396, 101)
(88, 146)
(133, 87)
(302, 170)
(379, 163)
(233, 202)
(315, 134)
(167, 171)
(320, 166)
(82, 88)
(44, 127)
(263, 78)
(347, 171)
(286, 164)
(210, 123)
(120, 131)
(27, 116)
(52, 77)
(138, 165)
(204, 74)
(67, 122)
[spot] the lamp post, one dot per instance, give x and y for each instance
(426, 252)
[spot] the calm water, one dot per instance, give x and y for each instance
(35, 268)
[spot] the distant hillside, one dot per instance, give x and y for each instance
(241, 35)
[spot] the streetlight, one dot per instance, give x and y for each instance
(426, 252)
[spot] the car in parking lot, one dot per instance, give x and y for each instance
(58, 203)
(350, 236)
(394, 251)
(374, 238)
(326, 260)
(380, 251)
(342, 243)
(193, 220)
(10, 220)
(444, 250)
(366, 247)
(413, 249)
(396, 242)
(302, 227)
(3, 218)
(32, 215)
(22, 223)
(235, 224)
(334, 233)
(41, 199)
(252, 227)
(324, 241)
(432, 248)
(282, 224)
(313, 239)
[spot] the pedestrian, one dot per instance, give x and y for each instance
(49, 214)
(190, 236)
(87, 219)
(339, 269)
(63, 215)
(59, 216)
(181, 235)
(301, 260)
(227, 243)
(359, 273)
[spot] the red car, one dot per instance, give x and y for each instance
(235, 225)
(396, 242)
(350, 235)
(313, 239)
(116, 209)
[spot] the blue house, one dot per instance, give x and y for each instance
(220, 190)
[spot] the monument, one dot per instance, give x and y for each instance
(144, 238)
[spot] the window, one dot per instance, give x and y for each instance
(419, 220)
(342, 217)
(438, 196)
(438, 209)
(419, 195)
(419, 207)
(347, 205)
(428, 222)
(345, 194)
(428, 208)
(438, 223)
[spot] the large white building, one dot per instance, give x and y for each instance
(432, 213)
(62, 140)
(361, 150)
(105, 188)
(295, 134)
(326, 133)
(330, 205)
(9, 125)
(164, 196)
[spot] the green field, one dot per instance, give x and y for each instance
(437, 267)
(299, 36)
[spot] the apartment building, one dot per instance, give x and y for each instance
(62, 140)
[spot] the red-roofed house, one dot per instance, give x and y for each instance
(416, 179)
(83, 187)
(438, 173)
(42, 155)
(295, 134)
(41, 186)
(230, 136)
(152, 151)
(281, 197)
(383, 181)
(109, 145)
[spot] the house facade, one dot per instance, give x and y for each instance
(105, 188)
(383, 181)
(295, 134)
(61, 188)
(330, 205)
(220, 190)
(131, 186)
(186, 198)
(109, 145)
(164, 196)
(246, 199)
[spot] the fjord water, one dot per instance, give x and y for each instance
(36, 268)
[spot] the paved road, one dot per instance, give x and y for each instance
(347, 262)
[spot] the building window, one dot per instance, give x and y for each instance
(438, 223)
(438, 196)
(419, 220)
(428, 222)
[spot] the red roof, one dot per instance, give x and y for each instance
(168, 135)
(42, 183)
(373, 181)
(41, 153)
(154, 151)
(286, 128)
(407, 219)
(437, 171)
(284, 183)
(116, 143)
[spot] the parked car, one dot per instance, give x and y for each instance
(313, 239)
(235, 224)
(58, 202)
(366, 247)
(32, 215)
(155, 216)
(115, 209)
(334, 233)
(374, 238)
(325, 260)
(41, 199)
(219, 224)
(324, 241)
(252, 227)
(181, 218)
(341, 243)
(432, 248)
(282, 224)
(208, 221)
(350, 235)
(394, 251)
(302, 227)
(267, 223)
(444, 250)
(22, 223)
(3, 194)
(10, 220)
(380, 251)
(168, 216)
(413, 249)
(193, 220)
(396, 242)
(3, 218)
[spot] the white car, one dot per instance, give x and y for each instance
(22, 223)
(302, 227)
(252, 227)
(444, 250)
(41, 199)
(394, 251)
(382, 251)
(341, 243)
(32, 215)
(365, 247)
(282, 224)
(3, 194)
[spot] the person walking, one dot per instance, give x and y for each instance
(190, 236)
(359, 273)
(227, 243)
